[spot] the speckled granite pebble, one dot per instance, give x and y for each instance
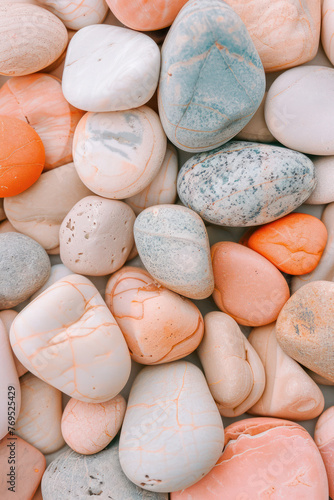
(24, 268)
(76, 477)
(212, 79)
(173, 244)
(246, 184)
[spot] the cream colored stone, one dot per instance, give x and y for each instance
(324, 173)
(58, 271)
(7, 317)
(77, 14)
(327, 28)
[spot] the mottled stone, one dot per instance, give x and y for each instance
(173, 244)
(305, 327)
(263, 458)
(108, 68)
(68, 338)
(118, 154)
(77, 14)
(324, 173)
(7, 317)
(324, 439)
(232, 368)
(97, 475)
(40, 415)
(24, 268)
(289, 393)
(212, 80)
(158, 325)
(172, 433)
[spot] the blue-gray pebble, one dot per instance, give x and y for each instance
(246, 184)
(212, 80)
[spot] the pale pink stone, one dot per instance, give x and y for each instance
(7, 317)
(324, 438)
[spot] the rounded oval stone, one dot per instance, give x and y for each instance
(247, 286)
(327, 28)
(173, 244)
(31, 38)
(83, 476)
(89, 427)
(96, 236)
(108, 68)
(324, 173)
(162, 189)
(245, 184)
(305, 327)
(77, 14)
(264, 457)
(158, 325)
(324, 439)
(212, 80)
(24, 268)
(172, 433)
(298, 112)
(232, 368)
(118, 154)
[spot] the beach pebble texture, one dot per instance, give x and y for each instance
(39, 101)
(173, 244)
(89, 427)
(305, 330)
(85, 476)
(31, 38)
(40, 416)
(247, 286)
(109, 68)
(58, 271)
(185, 434)
(285, 32)
(162, 189)
(232, 368)
(324, 173)
(264, 456)
(7, 317)
(118, 154)
(24, 268)
(77, 14)
(158, 325)
(245, 184)
(289, 392)
(327, 28)
(96, 236)
(256, 129)
(80, 350)
(199, 112)
(39, 211)
(324, 439)
(296, 104)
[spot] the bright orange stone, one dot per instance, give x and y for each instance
(22, 156)
(294, 244)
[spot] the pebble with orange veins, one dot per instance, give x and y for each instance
(77, 14)
(118, 154)
(172, 434)
(39, 101)
(96, 236)
(158, 325)
(264, 458)
(232, 367)
(40, 416)
(22, 156)
(289, 393)
(7, 317)
(324, 439)
(162, 189)
(29, 467)
(173, 245)
(285, 32)
(294, 243)
(89, 427)
(247, 286)
(68, 337)
(10, 402)
(39, 211)
(325, 267)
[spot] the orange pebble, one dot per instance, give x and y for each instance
(146, 15)
(294, 244)
(22, 156)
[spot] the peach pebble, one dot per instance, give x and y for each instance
(89, 427)
(247, 286)
(22, 156)
(294, 243)
(7, 317)
(324, 438)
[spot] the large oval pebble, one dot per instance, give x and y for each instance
(246, 184)
(212, 84)
(172, 433)
(77, 14)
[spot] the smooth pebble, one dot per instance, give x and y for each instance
(77, 14)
